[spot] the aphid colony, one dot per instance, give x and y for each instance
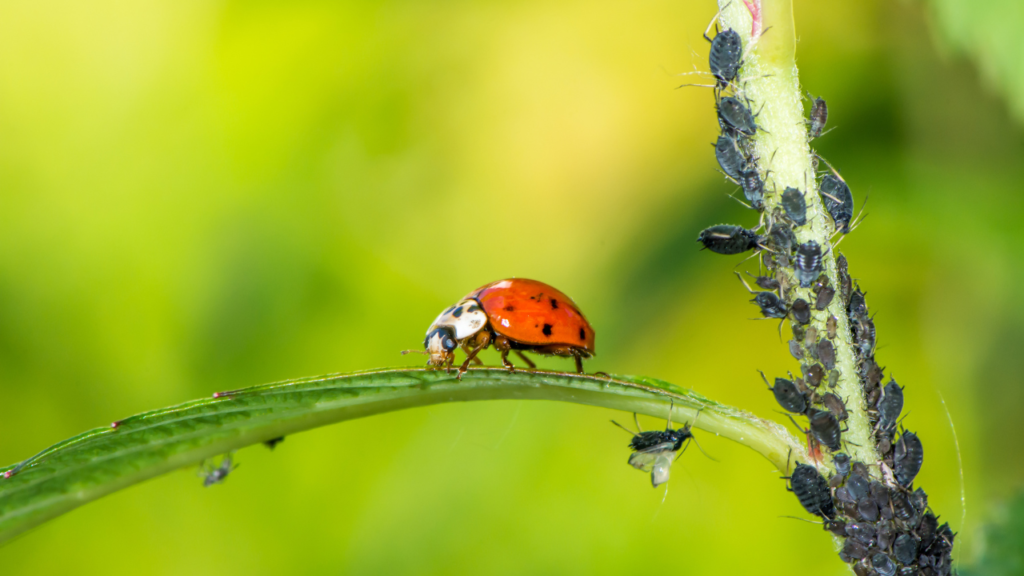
(887, 525)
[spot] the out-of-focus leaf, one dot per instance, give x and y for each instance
(1003, 554)
(991, 33)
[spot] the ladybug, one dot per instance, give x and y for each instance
(513, 314)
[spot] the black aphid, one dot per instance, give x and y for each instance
(808, 263)
(724, 59)
(753, 188)
(885, 535)
(733, 114)
(864, 334)
(216, 473)
(827, 353)
(905, 549)
(854, 549)
(842, 462)
(889, 407)
(729, 156)
(767, 282)
(883, 564)
(837, 527)
(824, 297)
(811, 490)
(801, 311)
(813, 374)
(782, 238)
(862, 532)
(857, 485)
(787, 395)
(867, 510)
(728, 239)
(901, 506)
(908, 457)
(771, 305)
(835, 405)
(830, 327)
(838, 200)
(811, 337)
(273, 442)
(819, 115)
(845, 282)
(871, 372)
(858, 307)
(927, 529)
(919, 500)
(860, 469)
(655, 450)
(833, 378)
(795, 206)
(825, 428)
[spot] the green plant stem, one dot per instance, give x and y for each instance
(104, 460)
(770, 81)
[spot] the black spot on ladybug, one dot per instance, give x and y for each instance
(473, 308)
(583, 334)
(554, 304)
(547, 330)
(509, 308)
(457, 312)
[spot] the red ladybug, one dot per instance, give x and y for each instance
(514, 314)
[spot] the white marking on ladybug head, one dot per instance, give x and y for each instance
(466, 318)
(440, 344)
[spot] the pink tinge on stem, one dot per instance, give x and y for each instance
(754, 6)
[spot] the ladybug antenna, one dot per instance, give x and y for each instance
(404, 352)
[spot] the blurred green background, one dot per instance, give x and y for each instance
(199, 196)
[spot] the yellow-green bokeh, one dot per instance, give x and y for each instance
(198, 196)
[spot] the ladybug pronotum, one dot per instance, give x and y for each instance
(514, 315)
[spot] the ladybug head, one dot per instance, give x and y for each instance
(440, 344)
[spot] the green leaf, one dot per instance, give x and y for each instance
(990, 32)
(103, 460)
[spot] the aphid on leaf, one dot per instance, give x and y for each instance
(867, 510)
(771, 305)
(795, 206)
(825, 428)
(812, 491)
(824, 297)
(883, 564)
(907, 458)
(728, 239)
(836, 406)
(729, 156)
(845, 282)
(655, 450)
(862, 532)
(724, 58)
(830, 327)
(787, 395)
(801, 311)
(766, 282)
(838, 200)
(782, 237)
(512, 314)
(889, 407)
(864, 333)
(808, 263)
(905, 549)
(858, 306)
(885, 535)
(819, 115)
(842, 463)
(216, 473)
(854, 549)
(734, 115)
(753, 188)
(813, 374)
(827, 353)
(273, 442)
(795, 350)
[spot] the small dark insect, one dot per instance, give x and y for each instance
(733, 114)
(842, 463)
(927, 529)
(771, 305)
(908, 457)
(883, 564)
(858, 307)
(854, 549)
(782, 237)
(801, 311)
(655, 450)
(729, 156)
(843, 495)
(905, 549)
(830, 327)
(811, 490)
(724, 59)
(728, 239)
(867, 510)
(919, 500)
(871, 372)
(838, 200)
(753, 188)
(819, 115)
(857, 485)
(216, 473)
(813, 374)
(827, 353)
(845, 282)
(273, 442)
(835, 405)
(810, 337)
(795, 350)
(862, 532)
(861, 469)
(766, 282)
(901, 506)
(889, 407)
(787, 395)
(795, 206)
(864, 332)
(885, 535)
(808, 263)
(825, 428)
(837, 527)
(824, 297)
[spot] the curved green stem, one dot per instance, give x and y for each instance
(104, 460)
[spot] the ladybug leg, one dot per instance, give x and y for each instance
(525, 359)
(503, 345)
(579, 363)
(482, 340)
(470, 355)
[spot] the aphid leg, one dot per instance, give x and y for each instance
(745, 285)
(636, 420)
(712, 23)
(624, 428)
